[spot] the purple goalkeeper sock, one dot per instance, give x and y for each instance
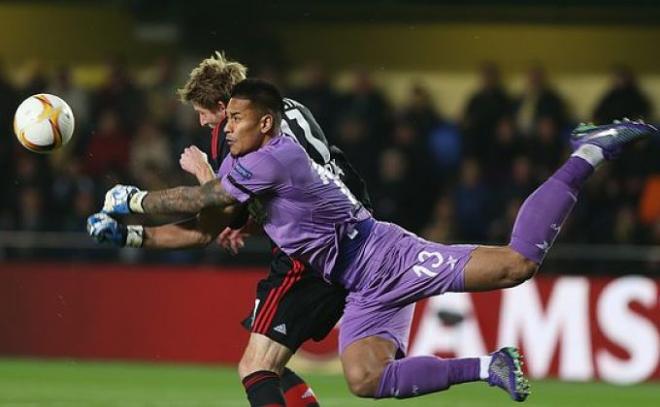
(543, 213)
(414, 376)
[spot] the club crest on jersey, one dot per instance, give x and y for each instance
(243, 172)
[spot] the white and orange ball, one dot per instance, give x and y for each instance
(43, 123)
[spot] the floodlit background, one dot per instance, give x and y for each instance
(452, 113)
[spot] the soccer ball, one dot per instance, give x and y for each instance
(43, 123)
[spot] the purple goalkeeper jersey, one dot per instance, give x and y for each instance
(311, 216)
(308, 210)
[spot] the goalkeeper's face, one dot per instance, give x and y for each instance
(248, 128)
(210, 117)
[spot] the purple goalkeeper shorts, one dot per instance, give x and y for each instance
(393, 270)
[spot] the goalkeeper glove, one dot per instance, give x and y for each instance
(103, 228)
(123, 199)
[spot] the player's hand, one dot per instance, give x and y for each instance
(232, 240)
(118, 200)
(103, 228)
(196, 162)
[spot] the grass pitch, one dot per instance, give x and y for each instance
(26, 382)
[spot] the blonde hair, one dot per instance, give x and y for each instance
(212, 81)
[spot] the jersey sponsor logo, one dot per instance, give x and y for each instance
(242, 172)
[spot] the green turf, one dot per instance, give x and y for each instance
(71, 383)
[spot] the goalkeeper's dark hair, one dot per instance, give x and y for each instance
(264, 95)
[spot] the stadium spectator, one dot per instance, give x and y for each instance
(507, 144)
(445, 149)
(420, 112)
(35, 82)
(366, 101)
(30, 210)
(655, 234)
(626, 229)
(520, 182)
(602, 198)
(471, 200)
(161, 99)
(624, 98)
(352, 137)
(649, 205)
(546, 146)
(412, 144)
(442, 227)
(68, 180)
(150, 156)
(316, 92)
(538, 101)
(271, 72)
(84, 202)
(8, 102)
(484, 110)
(120, 94)
(392, 193)
(32, 170)
(108, 149)
(31, 215)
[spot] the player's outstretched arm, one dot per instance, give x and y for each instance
(192, 233)
(125, 199)
(188, 199)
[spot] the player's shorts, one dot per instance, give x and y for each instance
(295, 304)
(393, 270)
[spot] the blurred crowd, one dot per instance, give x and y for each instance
(450, 180)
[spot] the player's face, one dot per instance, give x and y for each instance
(210, 117)
(247, 128)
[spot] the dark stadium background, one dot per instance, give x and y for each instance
(453, 114)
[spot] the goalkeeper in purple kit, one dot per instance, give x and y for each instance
(312, 216)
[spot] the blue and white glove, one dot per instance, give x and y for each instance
(103, 228)
(123, 199)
